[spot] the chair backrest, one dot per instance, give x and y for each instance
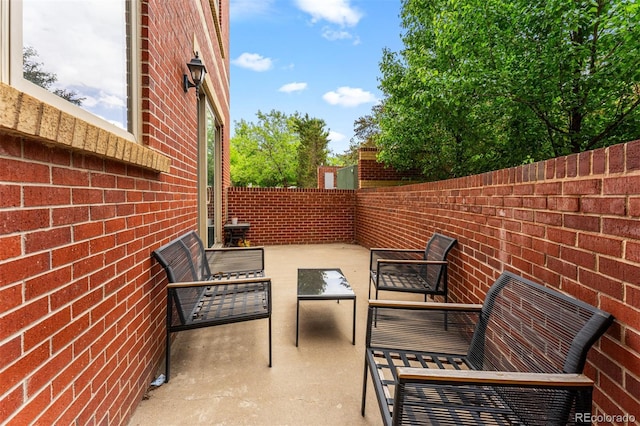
(438, 247)
(183, 260)
(530, 328)
(196, 249)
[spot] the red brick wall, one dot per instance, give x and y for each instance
(321, 178)
(80, 321)
(572, 223)
(82, 305)
(294, 216)
(372, 173)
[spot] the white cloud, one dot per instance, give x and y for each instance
(111, 101)
(94, 98)
(254, 62)
(293, 87)
(333, 35)
(336, 136)
(89, 101)
(335, 11)
(349, 97)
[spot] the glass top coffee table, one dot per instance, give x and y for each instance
(324, 284)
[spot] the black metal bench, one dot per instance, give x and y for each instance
(209, 287)
(412, 271)
(516, 359)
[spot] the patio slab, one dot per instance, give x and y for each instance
(220, 375)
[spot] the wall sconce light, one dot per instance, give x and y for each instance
(197, 70)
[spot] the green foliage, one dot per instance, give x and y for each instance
(487, 84)
(313, 148)
(265, 153)
(366, 130)
(279, 150)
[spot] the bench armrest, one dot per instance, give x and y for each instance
(223, 249)
(493, 378)
(397, 250)
(426, 306)
(390, 253)
(220, 282)
(411, 262)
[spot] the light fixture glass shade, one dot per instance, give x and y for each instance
(197, 69)
(196, 75)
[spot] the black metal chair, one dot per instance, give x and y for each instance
(413, 271)
(215, 286)
(517, 359)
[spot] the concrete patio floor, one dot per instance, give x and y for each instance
(220, 375)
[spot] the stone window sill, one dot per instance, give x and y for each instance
(25, 115)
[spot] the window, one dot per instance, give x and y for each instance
(83, 56)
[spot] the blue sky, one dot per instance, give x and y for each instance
(316, 57)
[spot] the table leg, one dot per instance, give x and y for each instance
(297, 319)
(354, 320)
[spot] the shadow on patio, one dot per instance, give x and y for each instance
(220, 375)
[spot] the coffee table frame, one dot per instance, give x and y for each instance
(346, 294)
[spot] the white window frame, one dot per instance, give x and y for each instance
(205, 106)
(11, 46)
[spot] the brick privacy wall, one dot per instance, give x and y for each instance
(572, 223)
(82, 304)
(294, 216)
(372, 173)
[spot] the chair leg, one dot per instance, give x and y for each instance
(364, 387)
(270, 342)
(167, 357)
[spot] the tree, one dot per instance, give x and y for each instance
(313, 148)
(264, 153)
(33, 71)
(366, 130)
(486, 84)
(279, 150)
